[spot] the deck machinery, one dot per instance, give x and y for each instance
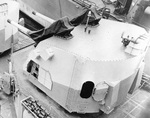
(87, 64)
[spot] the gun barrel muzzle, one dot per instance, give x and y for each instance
(20, 27)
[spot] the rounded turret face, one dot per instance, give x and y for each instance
(96, 65)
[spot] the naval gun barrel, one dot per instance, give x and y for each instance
(27, 31)
(43, 17)
(20, 27)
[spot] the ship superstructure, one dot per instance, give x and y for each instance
(8, 9)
